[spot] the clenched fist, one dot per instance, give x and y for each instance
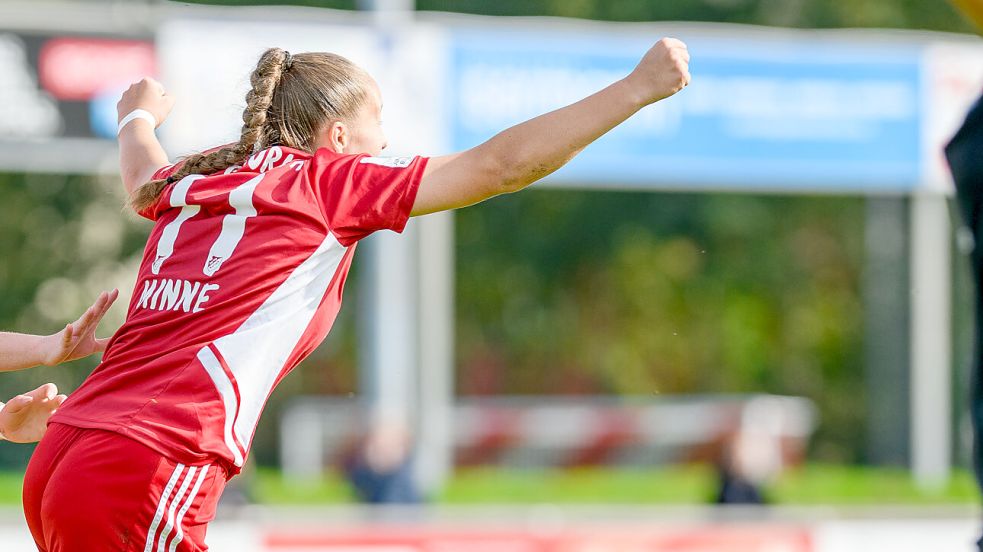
(146, 94)
(663, 71)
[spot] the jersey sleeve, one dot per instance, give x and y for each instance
(360, 194)
(153, 212)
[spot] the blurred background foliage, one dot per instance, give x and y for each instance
(627, 293)
(901, 14)
(558, 292)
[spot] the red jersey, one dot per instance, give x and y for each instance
(241, 279)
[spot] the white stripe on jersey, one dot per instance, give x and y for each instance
(233, 225)
(258, 350)
(184, 510)
(161, 505)
(225, 389)
(166, 532)
(179, 198)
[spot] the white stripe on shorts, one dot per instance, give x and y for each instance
(166, 531)
(161, 505)
(184, 509)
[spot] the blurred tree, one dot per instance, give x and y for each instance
(639, 294)
(63, 239)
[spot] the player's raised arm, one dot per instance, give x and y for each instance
(523, 154)
(143, 107)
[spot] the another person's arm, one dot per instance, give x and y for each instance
(140, 153)
(523, 154)
(24, 418)
(76, 340)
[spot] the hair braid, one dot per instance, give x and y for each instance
(264, 81)
(254, 135)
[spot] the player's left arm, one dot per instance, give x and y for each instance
(140, 153)
(76, 340)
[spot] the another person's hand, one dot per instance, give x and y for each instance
(663, 71)
(78, 339)
(25, 417)
(149, 95)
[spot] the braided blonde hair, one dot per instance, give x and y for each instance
(291, 98)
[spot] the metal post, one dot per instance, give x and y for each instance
(409, 337)
(302, 443)
(436, 342)
(931, 337)
(886, 324)
(388, 350)
(388, 365)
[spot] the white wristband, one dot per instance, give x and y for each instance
(136, 114)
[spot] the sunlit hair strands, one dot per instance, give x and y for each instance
(292, 97)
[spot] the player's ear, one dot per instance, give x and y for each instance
(338, 137)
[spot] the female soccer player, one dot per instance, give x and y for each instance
(242, 277)
(23, 418)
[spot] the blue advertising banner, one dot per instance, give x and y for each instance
(766, 113)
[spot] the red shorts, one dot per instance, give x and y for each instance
(93, 490)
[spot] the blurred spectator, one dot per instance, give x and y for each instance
(737, 484)
(734, 489)
(381, 469)
(752, 455)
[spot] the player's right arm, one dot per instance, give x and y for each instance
(521, 155)
(140, 153)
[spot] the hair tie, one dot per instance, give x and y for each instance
(172, 179)
(288, 61)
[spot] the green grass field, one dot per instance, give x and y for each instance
(813, 484)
